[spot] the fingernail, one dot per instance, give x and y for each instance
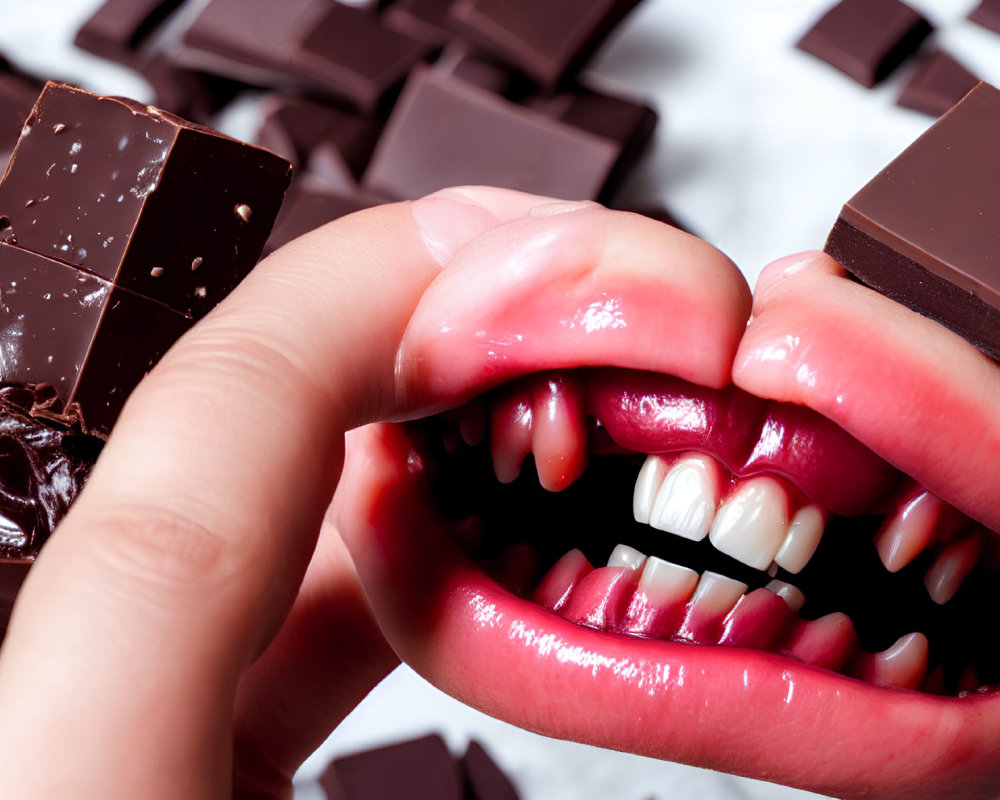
(447, 220)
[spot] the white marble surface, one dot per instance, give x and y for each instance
(758, 147)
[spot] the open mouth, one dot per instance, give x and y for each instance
(714, 518)
(815, 612)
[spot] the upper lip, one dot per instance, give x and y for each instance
(915, 395)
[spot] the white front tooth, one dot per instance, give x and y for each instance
(951, 567)
(654, 469)
(686, 501)
(792, 595)
(666, 583)
(752, 523)
(804, 534)
(625, 556)
(716, 594)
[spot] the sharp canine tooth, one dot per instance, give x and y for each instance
(625, 556)
(790, 594)
(686, 502)
(804, 534)
(951, 567)
(716, 594)
(906, 534)
(654, 469)
(904, 664)
(752, 523)
(666, 583)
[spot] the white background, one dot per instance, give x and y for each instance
(758, 147)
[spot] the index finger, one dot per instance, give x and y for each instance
(185, 551)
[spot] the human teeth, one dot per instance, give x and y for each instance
(654, 470)
(790, 594)
(951, 567)
(804, 534)
(559, 436)
(686, 501)
(555, 588)
(665, 583)
(828, 642)
(905, 534)
(715, 595)
(510, 436)
(752, 523)
(902, 665)
(625, 556)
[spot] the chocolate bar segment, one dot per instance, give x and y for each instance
(90, 339)
(866, 39)
(483, 778)
(924, 230)
(118, 28)
(420, 768)
(159, 206)
(987, 14)
(549, 41)
(445, 131)
(938, 83)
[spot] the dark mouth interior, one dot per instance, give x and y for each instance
(845, 574)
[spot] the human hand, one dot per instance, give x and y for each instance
(171, 641)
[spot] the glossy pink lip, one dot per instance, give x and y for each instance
(915, 395)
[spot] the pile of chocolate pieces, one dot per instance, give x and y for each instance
(387, 100)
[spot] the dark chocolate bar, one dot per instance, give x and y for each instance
(91, 339)
(987, 14)
(164, 208)
(445, 131)
(118, 28)
(414, 769)
(484, 780)
(314, 45)
(924, 230)
(937, 84)
(548, 41)
(866, 39)
(422, 19)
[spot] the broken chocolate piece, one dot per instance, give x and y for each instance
(938, 83)
(419, 768)
(866, 39)
(311, 44)
(547, 41)
(293, 127)
(483, 778)
(313, 202)
(118, 29)
(987, 14)
(422, 19)
(445, 131)
(924, 230)
(92, 340)
(139, 197)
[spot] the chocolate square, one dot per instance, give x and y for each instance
(924, 230)
(92, 340)
(549, 41)
(937, 84)
(118, 28)
(167, 209)
(866, 39)
(445, 131)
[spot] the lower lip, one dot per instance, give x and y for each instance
(736, 710)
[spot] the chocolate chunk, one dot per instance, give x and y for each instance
(294, 127)
(164, 208)
(866, 39)
(460, 61)
(419, 768)
(483, 778)
(938, 83)
(924, 230)
(185, 92)
(987, 14)
(548, 41)
(313, 202)
(628, 123)
(311, 44)
(118, 29)
(422, 19)
(91, 339)
(445, 131)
